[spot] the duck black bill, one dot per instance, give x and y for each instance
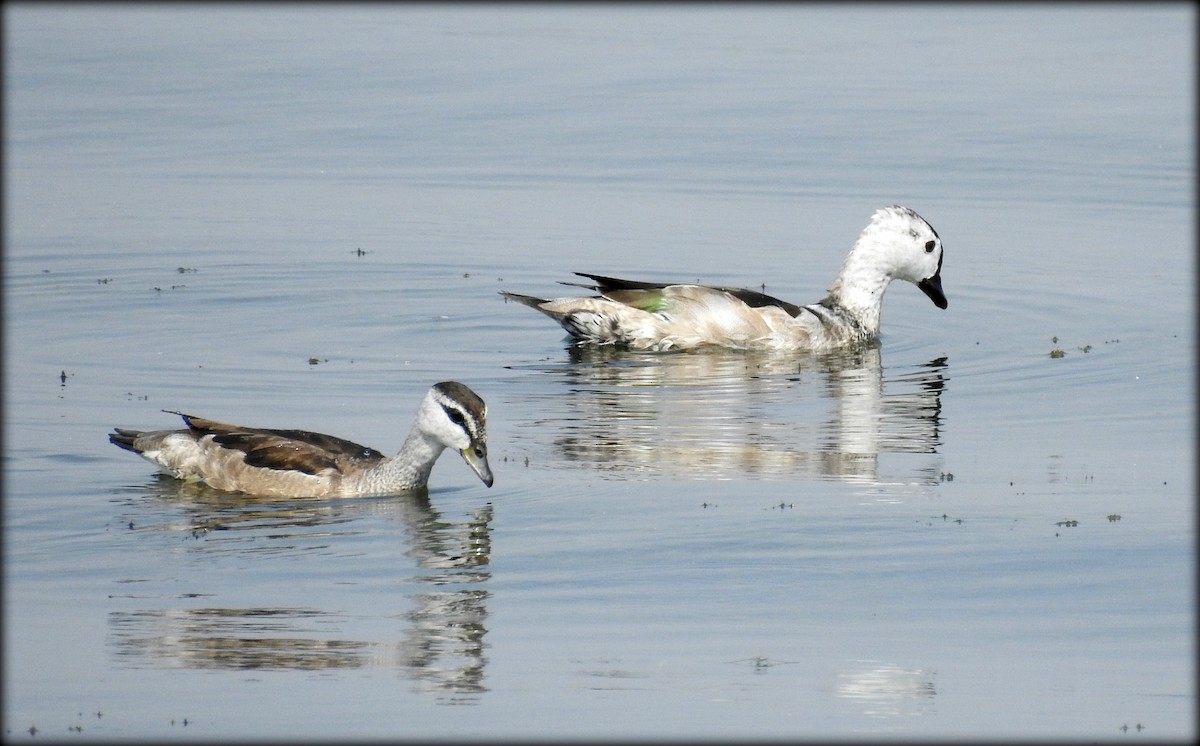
(932, 286)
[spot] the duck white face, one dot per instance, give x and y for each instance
(915, 248)
(456, 416)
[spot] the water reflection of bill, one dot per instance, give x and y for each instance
(441, 649)
(726, 414)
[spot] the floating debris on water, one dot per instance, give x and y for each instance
(1058, 351)
(761, 661)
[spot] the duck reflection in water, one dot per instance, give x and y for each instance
(441, 650)
(886, 691)
(724, 413)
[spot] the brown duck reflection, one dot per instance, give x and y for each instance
(725, 414)
(440, 648)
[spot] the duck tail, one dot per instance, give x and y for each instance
(123, 438)
(527, 300)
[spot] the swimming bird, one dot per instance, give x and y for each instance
(298, 463)
(897, 244)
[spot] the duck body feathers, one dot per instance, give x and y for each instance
(679, 317)
(896, 244)
(300, 463)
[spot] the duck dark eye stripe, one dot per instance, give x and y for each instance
(462, 419)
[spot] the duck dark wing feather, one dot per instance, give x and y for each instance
(299, 450)
(751, 298)
(604, 284)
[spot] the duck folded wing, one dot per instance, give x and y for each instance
(285, 450)
(693, 315)
(755, 299)
(603, 283)
(650, 296)
(297, 450)
(697, 303)
(274, 452)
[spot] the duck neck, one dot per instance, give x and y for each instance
(410, 468)
(859, 289)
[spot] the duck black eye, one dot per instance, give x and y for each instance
(929, 246)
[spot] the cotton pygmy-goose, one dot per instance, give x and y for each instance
(897, 244)
(298, 463)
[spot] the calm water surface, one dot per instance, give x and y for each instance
(299, 216)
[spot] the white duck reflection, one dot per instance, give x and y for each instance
(726, 414)
(888, 691)
(440, 649)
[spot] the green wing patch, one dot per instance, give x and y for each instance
(651, 300)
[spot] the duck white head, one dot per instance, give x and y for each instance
(452, 416)
(898, 244)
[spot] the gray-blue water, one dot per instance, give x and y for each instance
(299, 216)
